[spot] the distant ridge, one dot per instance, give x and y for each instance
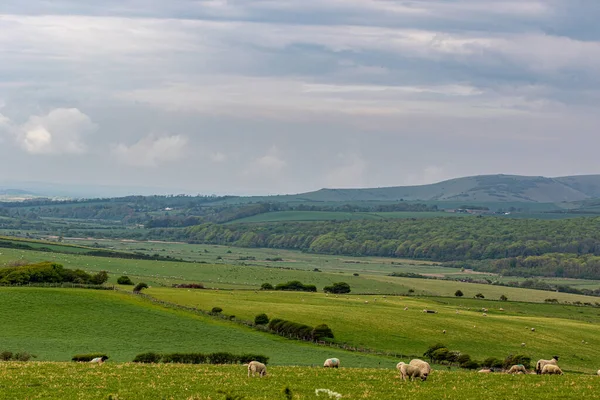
(481, 188)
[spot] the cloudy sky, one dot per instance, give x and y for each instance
(285, 96)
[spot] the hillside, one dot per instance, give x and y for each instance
(483, 188)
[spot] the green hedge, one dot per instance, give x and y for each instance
(200, 358)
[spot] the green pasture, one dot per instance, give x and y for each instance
(383, 323)
(55, 324)
(70, 381)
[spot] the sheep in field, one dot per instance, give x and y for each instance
(599, 372)
(332, 363)
(256, 367)
(486, 371)
(423, 366)
(99, 360)
(550, 369)
(539, 366)
(515, 369)
(410, 371)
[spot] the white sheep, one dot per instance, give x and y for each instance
(405, 308)
(515, 369)
(539, 366)
(550, 369)
(532, 329)
(485, 371)
(410, 371)
(598, 372)
(423, 366)
(444, 331)
(523, 344)
(484, 314)
(331, 363)
(256, 367)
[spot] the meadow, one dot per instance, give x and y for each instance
(68, 381)
(55, 324)
(383, 323)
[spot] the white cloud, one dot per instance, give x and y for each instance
(61, 131)
(218, 157)
(351, 172)
(270, 164)
(152, 151)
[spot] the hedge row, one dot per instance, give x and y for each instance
(300, 331)
(200, 358)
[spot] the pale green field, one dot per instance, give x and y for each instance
(384, 324)
(70, 381)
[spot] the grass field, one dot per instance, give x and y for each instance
(383, 323)
(55, 324)
(68, 381)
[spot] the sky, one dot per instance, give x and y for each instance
(288, 96)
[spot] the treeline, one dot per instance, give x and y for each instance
(438, 239)
(48, 272)
(558, 265)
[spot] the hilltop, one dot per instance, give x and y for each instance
(481, 188)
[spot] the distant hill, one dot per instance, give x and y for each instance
(482, 188)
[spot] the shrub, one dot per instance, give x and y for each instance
(518, 359)
(100, 278)
(124, 280)
(266, 286)
(87, 357)
(337, 288)
(147, 358)
(6, 355)
(188, 285)
(138, 288)
(503, 298)
(463, 358)
(216, 310)
(470, 365)
(442, 354)
(185, 358)
(492, 362)
(459, 293)
(553, 301)
(261, 319)
(222, 358)
(291, 329)
(429, 352)
(355, 274)
(48, 272)
(322, 331)
(246, 358)
(480, 296)
(24, 356)
(296, 286)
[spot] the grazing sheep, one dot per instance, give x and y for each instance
(256, 367)
(331, 363)
(532, 329)
(539, 366)
(501, 309)
(410, 371)
(484, 314)
(405, 308)
(99, 360)
(550, 369)
(423, 366)
(486, 371)
(599, 372)
(523, 344)
(444, 331)
(515, 369)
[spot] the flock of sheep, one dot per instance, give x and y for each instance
(421, 369)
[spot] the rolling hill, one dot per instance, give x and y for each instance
(482, 188)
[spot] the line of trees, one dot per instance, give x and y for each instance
(48, 272)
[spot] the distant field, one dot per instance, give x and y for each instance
(70, 381)
(382, 323)
(55, 324)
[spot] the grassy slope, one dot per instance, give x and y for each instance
(383, 324)
(68, 381)
(55, 324)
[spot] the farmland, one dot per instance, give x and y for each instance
(68, 381)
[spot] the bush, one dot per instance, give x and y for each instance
(480, 296)
(124, 280)
(470, 365)
(291, 329)
(147, 358)
(503, 298)
(463, 359)
(100, 278)
(459, 293)
(321, 332)
(87, 357)
(6, 355)
(246, 358)
(24, 356)
(518, 359)
(48, 272)
(222, 358)
(261, 319)
(337, 288)
(296, 286)
(429, 352)
(442, 354)
(185, 358)
(188, 285)
(216, 310)
(138, 288)
(492, 362)
(266, 286)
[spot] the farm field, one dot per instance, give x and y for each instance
(68, 381)
(384, 324)
(56, 324)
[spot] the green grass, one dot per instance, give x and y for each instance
(68, 381)
(383, 324)
(55, 324)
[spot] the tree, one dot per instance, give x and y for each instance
(503, 298)
(261, 319)
(321, 331)
(138, 288)
(99, 278)
(458, 293)
(337, 288)
(480, 296)
(124, 280)
(266, 286)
